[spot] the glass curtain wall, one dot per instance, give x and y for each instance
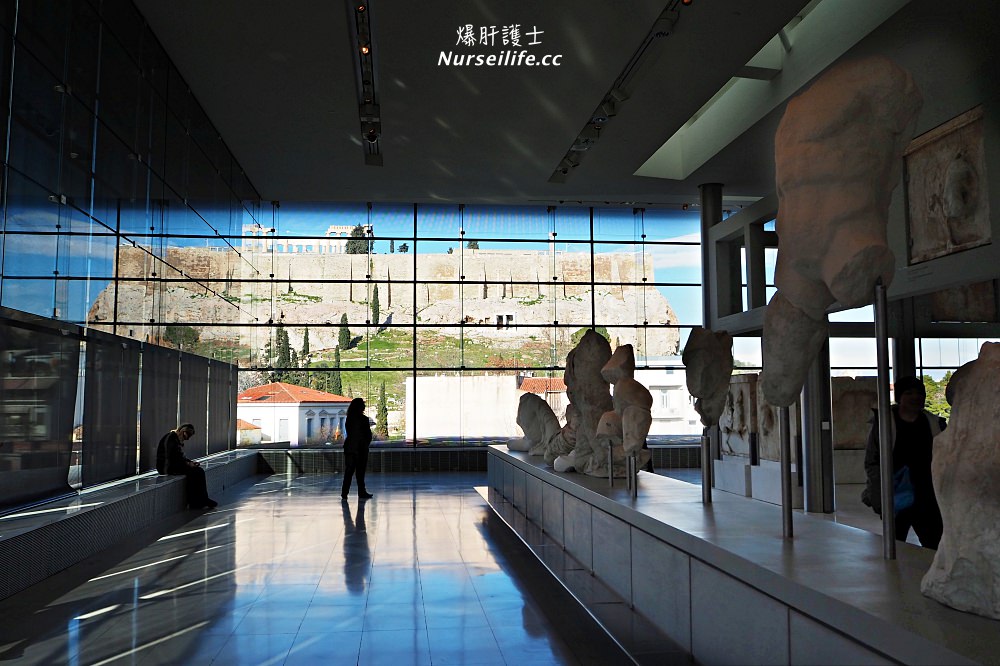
(437, 315)
(119, 202)
(111, 167)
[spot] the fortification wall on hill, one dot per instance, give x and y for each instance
(474, 287)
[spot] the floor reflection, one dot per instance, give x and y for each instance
(418, 575)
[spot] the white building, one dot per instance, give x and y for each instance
(248, 433)
(673, 407)
(260, 239)
(295, 415)
(474, 406)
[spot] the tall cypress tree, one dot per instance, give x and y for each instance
(293, 360)
(344, 336)
(305, 345)
(335, 385)
(284, 356)
(284, 351)
(375, 307)
(382, 414)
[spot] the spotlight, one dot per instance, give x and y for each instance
(686, 2)
(371, 134)
(685, 206)
(360, 9)
(365, 49)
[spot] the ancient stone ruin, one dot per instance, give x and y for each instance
(838, 156)
(589, 392)
(966, 472)
(622, 430)
(708, 357)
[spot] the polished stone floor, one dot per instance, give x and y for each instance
(285, 572)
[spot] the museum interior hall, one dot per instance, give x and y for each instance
(641, 298)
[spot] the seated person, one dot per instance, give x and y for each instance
(170, 459)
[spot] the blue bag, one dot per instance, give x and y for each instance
(902, 489)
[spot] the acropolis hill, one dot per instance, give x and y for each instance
(497, 283)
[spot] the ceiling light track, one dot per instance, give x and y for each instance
(617, 94)
(366, 79)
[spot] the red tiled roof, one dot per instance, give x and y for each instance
(280, 392)
(542, 385)
(244, 425)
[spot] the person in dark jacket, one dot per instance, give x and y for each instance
(359, 438)
(913, 430)
(170, 459)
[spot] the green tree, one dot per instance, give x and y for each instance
(344, 337)
(305, 345)
(335, 386)
(357, 244)
(392, 245)
(375, 307)
(181, 336)
(472, 245)
(293, 377)
(404, 248)
(382, 414)
(576, 337)
(451, 250)
(282, 356)
(936, 402)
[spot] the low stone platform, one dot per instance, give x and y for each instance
(44, 540)
(720, 580)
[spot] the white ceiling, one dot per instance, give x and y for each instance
(278, 82)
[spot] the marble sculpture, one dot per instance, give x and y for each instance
(539, 424)
(708, 358)
(838, 156)
(624, 428)
(966, 472)
(565, 441)
(595, 421)
(588, 392)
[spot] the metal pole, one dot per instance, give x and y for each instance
(706, 468)
(710, 195)
(611, 466)
(785, 437)
(633, 475)
(884, 414)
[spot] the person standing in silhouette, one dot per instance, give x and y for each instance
(912, 429)
(359, 438)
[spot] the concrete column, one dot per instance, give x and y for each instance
(711, 214)
(816, 466)
(904, 355)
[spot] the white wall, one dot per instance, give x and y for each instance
(250, 437)
(486, 406)
(268, 417)
(472, 406)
